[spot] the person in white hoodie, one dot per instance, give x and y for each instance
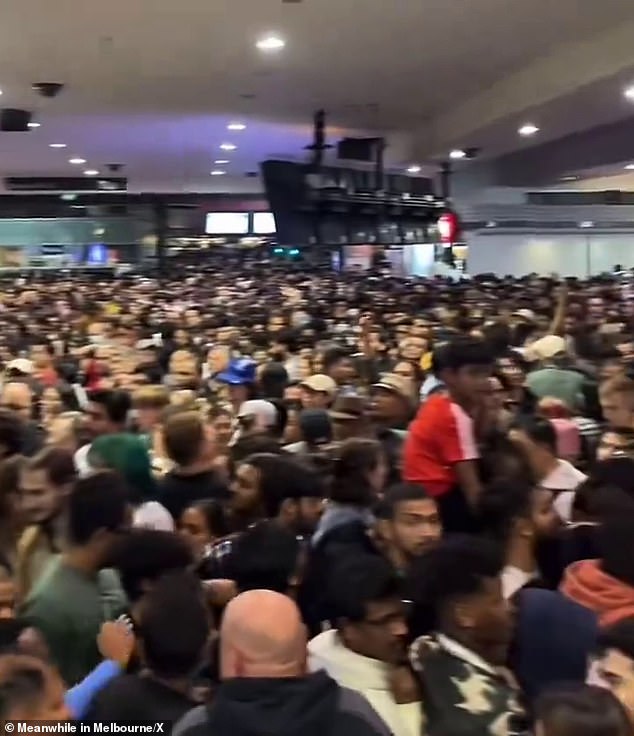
(366, 651)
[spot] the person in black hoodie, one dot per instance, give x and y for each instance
(265, 687)
(173, 629)
(190, 444)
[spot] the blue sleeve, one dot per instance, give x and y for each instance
(79, 698)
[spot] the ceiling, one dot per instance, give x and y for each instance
(152, 84)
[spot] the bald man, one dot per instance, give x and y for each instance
(17, 397)
(265, 686)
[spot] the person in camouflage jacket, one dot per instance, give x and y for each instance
(464, 628)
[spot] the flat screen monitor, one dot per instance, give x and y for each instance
(227, 223)
(97, 254)
(263, 223)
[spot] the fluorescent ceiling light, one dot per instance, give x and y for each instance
(228, 147)
(630, 167)
(76, 161)
(629, 92)
(236, 126)
(569, 178)
(586, 224)
(271, 43)
(218, 172)
(91, 172)
(35, 125)
(528, 129)
(57, 145)
(414, 169)
(221, 161)
(457, 153)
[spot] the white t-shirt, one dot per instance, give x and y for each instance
(565, 477)
(514, 579)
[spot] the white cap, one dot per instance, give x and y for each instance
(22, 365)
(264, 412)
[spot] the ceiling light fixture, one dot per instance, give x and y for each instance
(221, 161)
(586, 224)
(414, 169)
(76, 161)
(270, 43)
(528, 129)
(457, 153)
(228, 147)
(236, 126)
(91, 172)
(629, 93)
(218, 172)
(34, 125)
(569, 178)
(630, 167)
(57, 145)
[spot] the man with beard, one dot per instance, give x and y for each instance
(107, 413)
(408, 524)
(45, 482)
(522, 518)
(272, 487)
(392, 409)
(76, 594)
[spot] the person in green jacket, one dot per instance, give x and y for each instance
(77, 592)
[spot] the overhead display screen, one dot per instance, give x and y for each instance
(227, 223)
(263, 223)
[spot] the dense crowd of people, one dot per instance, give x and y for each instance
(260, 499)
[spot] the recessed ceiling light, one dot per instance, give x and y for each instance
(57, 145)
(218, 172)
(457, 153)
(271, 43)
(228, 147)
(586, 224)
(414, 169)
(629, 92)
(221, 161)
(528, 129)
(91, 172)
(76, 161)
(34, 125)
(236, 126)
(630, 167)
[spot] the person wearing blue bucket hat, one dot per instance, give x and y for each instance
(240, 378)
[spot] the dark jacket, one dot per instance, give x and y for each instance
(313, 705)
(331, 543)
(138, 698)
(177, 492)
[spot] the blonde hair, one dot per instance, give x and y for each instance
(151, 397)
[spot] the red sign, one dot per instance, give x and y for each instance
(448, 227)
